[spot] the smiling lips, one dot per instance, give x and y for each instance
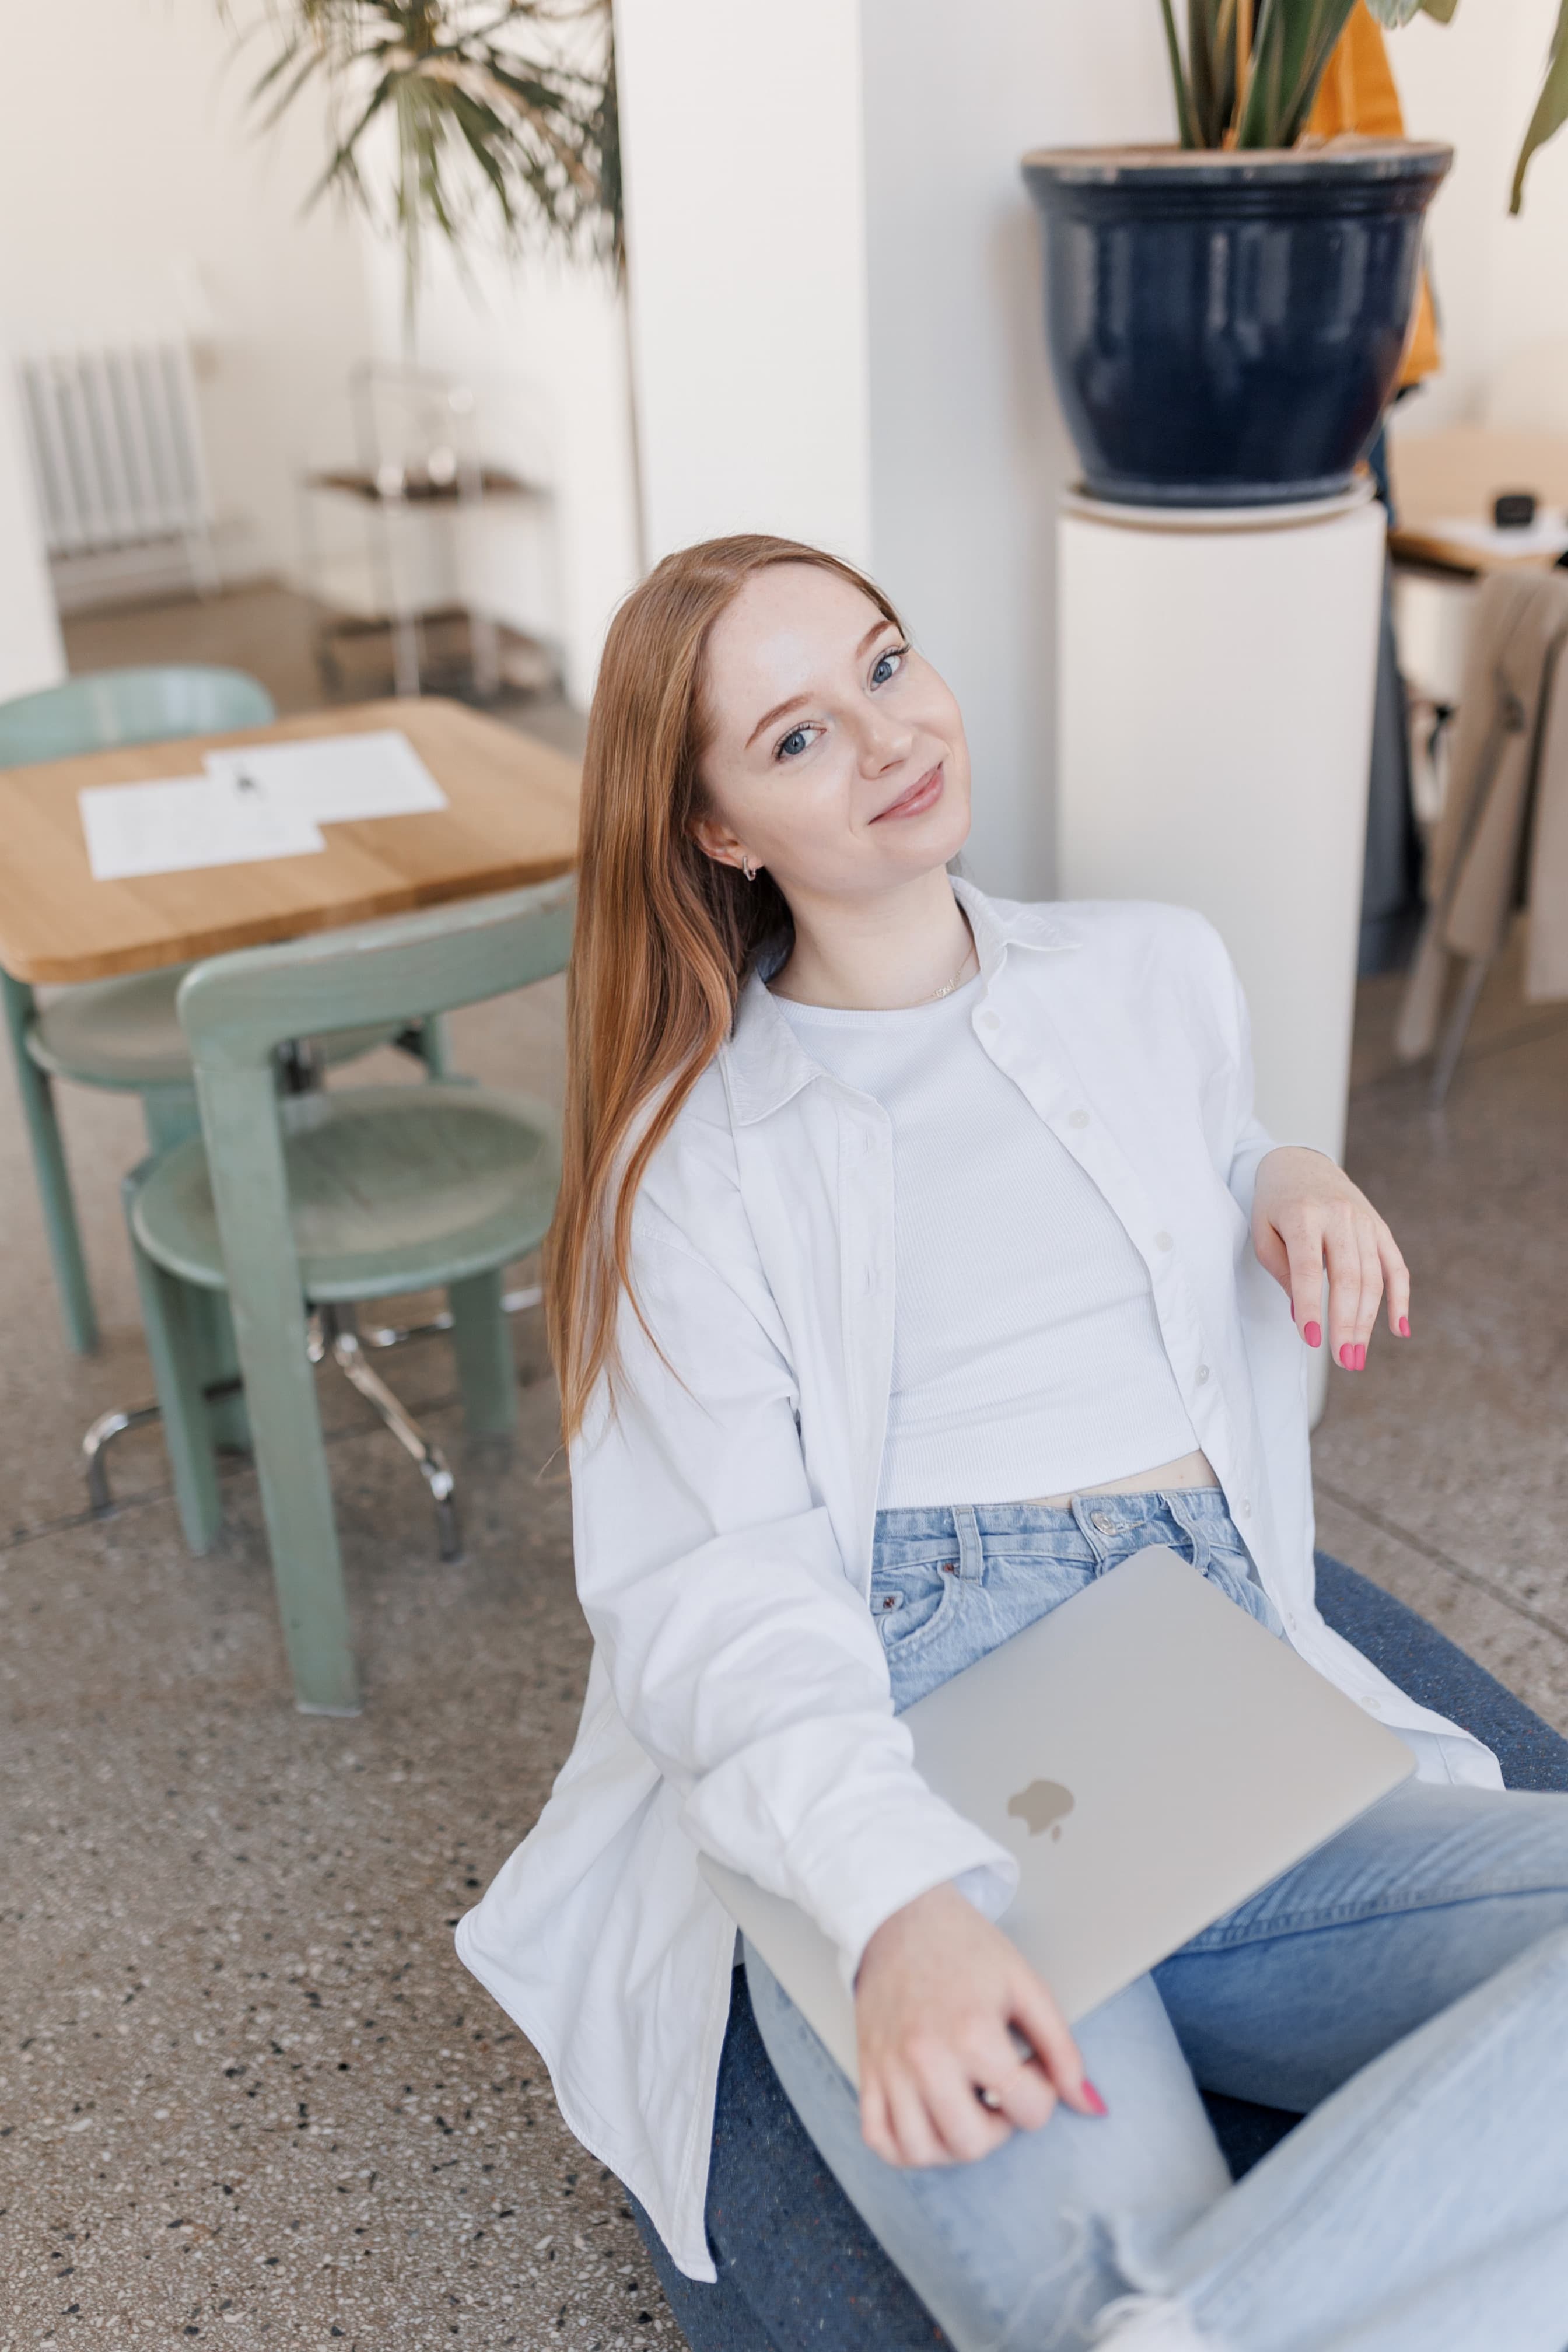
(924, 793)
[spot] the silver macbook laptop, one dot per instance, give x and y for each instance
(1151, 1754)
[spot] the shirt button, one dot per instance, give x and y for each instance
(1103, 1521)
(1163, 1241)
(1201, 1374)
(988, 1020)
(1078, 1118)
(1246, 1508)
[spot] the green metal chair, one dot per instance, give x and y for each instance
(123, 1034)
(299, 1206)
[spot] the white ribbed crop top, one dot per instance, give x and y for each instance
(1028, 1360)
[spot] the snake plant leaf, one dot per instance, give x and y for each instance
(1187, 120)
(1550, 107)
(1210, 66)
(1292, 43)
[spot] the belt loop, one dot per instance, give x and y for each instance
(1192, 1525)
(970, 1555)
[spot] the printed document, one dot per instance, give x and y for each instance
(338, 779)
(177, 822)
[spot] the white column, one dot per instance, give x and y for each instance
(744, 152)
(1215, 727)
(31, 654)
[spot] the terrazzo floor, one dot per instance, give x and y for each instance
(246, 2093)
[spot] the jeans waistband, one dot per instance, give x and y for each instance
(1107, 1513)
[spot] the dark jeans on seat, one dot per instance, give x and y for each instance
(797, 2266)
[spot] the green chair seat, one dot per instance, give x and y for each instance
(126, 1033)
(390, 1189)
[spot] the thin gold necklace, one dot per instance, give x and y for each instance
(948, 986)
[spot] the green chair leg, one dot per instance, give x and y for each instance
(170, 1114)
(245, 1151)
(173, 1344)
(296, 1504)
(486, 1371)
(211, 1329)
(435, 1044)
(51, 1175)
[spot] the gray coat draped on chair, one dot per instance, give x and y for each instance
(1502, 839)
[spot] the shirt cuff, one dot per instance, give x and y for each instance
(941, 1845)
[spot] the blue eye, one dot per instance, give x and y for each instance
(886, 665)
(793, 743)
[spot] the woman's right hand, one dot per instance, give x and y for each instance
(937, 1989)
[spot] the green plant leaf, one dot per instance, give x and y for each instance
(1187, 121)
(1395, 12)
(500, 111)
(1210, 66)
(1550, 107)
(1295, 40)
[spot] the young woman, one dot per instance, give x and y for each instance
(919, 1257)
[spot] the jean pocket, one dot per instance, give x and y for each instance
(911, 1605)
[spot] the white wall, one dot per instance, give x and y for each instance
(137, 199)
(30, 651)
(742, 136)
(1500, 283)
(969, 451)
(837, 314)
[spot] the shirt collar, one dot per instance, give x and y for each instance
(764, 1064)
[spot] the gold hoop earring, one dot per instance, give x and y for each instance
(747, 868)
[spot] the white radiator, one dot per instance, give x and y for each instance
(117, 452)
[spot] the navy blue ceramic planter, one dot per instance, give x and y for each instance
(1226, 330)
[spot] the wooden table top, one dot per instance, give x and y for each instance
(1459, 471)
(512, 820)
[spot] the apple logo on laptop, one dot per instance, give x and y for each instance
(1043, 1805)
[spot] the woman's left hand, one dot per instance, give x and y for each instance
(1306, 1215)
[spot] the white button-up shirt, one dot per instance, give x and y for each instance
(724, 1509)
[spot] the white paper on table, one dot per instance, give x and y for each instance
(338, 779)
(1547, 535)
(176, 823)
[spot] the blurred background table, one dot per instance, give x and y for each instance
(1440, 478)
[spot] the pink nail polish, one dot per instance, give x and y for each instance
(1347, 1357)
(1313, 1335)
(1404, 1326)
(1361, 1357)
(1097, 2106)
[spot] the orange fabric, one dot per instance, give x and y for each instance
(1357, 93)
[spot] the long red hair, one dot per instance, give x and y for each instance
(664, 936)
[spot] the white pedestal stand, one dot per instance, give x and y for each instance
(1216, 673)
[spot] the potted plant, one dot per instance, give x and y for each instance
(505, 108)
(1226, 318)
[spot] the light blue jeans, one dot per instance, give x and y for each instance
(1408, 1985)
